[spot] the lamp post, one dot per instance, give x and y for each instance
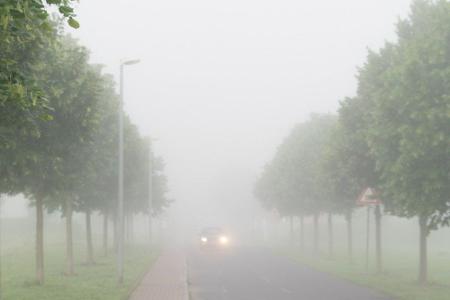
(150, 188)
(150, 195)
(120, 214)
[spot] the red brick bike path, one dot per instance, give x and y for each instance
(166, 280)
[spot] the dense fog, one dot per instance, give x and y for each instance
(221, 84)
(244, 122)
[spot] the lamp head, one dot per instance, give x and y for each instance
(131, 62)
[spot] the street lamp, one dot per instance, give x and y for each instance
(120, 214)
(150, 189)
(150, 194)
(131, 62)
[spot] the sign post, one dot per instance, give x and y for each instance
(367, 198)
(367, 238)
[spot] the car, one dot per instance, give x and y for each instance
(213, 237)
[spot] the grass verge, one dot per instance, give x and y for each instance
(91, 282)
(398, 278)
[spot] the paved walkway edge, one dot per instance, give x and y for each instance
(166, 280)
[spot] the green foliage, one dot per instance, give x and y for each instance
(348, 166)
(58, 121)
(26, 32)
(292, 183)
(53, 160)
(98, 187)
(407, 86)
(70, 149)
(393, 136)
(159, 187)
(337, 174)
(137, 166)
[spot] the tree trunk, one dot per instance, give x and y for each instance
(302, 233)
(150, 229)
(423, 264)
(348, 218)
(105, 234)
(378, 254)
(330, 235)
(90, 248)
(69, 239)
(130, 228)
(160, 231)
(291, 230)
(115, 233)
(39, 240)
(1, 229)
(316, 234)
(126, 233)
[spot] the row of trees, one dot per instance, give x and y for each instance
(59, 128)
(393, 136)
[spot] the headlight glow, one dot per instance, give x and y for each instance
(223, 240)
(204, 239)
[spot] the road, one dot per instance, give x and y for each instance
(258, 274)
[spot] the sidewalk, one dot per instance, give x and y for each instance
(166, 280)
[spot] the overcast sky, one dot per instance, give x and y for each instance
(222, 82)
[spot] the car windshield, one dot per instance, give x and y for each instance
(212, 231)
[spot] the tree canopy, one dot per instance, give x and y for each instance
(394, 135)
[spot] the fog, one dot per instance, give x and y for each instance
(221, 83)
(271, 118)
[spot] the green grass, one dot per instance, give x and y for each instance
(96, 281)
(91, 282)
(398, 278)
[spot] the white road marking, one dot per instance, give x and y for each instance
(285, 290)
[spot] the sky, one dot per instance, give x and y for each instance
(221, 83)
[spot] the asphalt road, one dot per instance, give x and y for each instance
(258, 274)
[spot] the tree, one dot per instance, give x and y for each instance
(54, 159)
(292, 183)
(138, 185)
(26, 32)
(407, 86)
(58, 125)
(97, 187)
(348, 166)
(25, 36)
(79, 85)
(160, 200)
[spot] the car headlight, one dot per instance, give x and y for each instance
(223, 240)
(204, 239)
